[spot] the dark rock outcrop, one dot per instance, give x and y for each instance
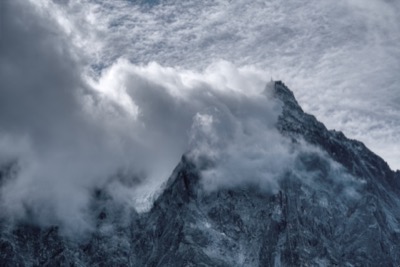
(325, 220)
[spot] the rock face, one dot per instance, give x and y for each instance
(346, 214)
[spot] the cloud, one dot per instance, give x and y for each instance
(70, 134)
(73, 124)
(340, 57)
(177, 109)
(61, 151)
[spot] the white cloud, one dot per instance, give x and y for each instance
(75, 127)
(72, 134)
(341, 57)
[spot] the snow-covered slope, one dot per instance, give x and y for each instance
(338, 206)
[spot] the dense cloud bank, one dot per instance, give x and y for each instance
(66, 132)
(341, 56)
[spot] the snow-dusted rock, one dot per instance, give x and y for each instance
(338, 206)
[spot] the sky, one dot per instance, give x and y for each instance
(110, 94)
(341, 58)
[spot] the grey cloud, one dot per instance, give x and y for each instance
(40, 113)
(61, 151)
(73, 131)
(341, 56)
(37, 72)
(69, 137)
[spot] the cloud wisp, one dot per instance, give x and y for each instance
(72, 125)
(341, 57)
(69, 134)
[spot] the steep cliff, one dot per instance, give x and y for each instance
(339, 205)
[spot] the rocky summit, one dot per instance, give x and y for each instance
(338, 205)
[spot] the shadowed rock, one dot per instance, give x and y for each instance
(311, 221)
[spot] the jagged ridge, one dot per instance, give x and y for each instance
(301, 225)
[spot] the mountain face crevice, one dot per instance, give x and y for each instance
(314, 219)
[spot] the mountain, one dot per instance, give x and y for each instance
(339, 206)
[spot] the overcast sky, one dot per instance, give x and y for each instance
(340, 57)
(94, 89)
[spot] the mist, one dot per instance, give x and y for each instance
(67, 131)
(341, 57)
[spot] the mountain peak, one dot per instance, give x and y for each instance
(284, 94)
(282, 91)
(352, 154)
(308, 222)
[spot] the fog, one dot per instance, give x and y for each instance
(68, 132)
